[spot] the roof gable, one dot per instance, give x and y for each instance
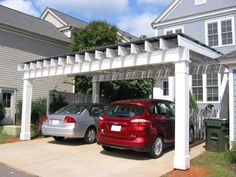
(185, 8)
(66, 20)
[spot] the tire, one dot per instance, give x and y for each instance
(191, 135)
(90, 136)
(59, 138)
(157, 148)
(106, 148)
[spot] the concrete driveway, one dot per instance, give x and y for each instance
(48, 158)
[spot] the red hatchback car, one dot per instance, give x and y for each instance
(141, 125)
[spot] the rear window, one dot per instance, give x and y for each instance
(71, 109)
(124, 110)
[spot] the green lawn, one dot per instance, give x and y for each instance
(216, 163)
(5, 138)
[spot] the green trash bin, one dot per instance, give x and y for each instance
(216, 134)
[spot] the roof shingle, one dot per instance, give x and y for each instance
(29, 23)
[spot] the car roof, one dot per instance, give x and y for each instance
(88, 104)
(143, 102)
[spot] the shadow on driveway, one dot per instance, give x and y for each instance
(69, 142)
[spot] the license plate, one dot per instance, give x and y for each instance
(115, 128)
(55, 122)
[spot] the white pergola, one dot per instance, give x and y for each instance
(158, 57)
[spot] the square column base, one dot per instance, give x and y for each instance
(181, 162)
(25, 136)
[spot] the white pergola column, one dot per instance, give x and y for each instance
(26, 110)
(95, 94)
(232, 120)
(181, 157)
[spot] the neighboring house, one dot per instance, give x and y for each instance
(211, 22)
(24, 37)
(66, 23)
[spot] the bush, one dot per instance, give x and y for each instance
(2, 111)
(39, 109)
(230, 155)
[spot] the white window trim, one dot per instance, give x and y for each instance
(204, 85)
(174, 28)
(218, 21)
(200, 2)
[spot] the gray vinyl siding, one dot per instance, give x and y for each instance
(188, 8)
(15, 49)
(196, 30)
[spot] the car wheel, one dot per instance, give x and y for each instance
(157, 148)
(90, 136)
(191, 135)
(59, 138)
(106, 148)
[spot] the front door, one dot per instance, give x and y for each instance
(8, 99)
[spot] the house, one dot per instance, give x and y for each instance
(213, 23)
(25, 37)
(66, 23)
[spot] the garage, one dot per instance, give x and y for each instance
(175, 55)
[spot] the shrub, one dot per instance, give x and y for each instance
(39, 109)
(192, 102)
(2, 111)
(18, 108)
(230, 155)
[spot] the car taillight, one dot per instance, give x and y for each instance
(141, 122)
(45, 118)
(69, 119)
(101, 120)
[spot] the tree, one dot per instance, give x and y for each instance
(98, 34)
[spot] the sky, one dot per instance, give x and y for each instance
(134, 16)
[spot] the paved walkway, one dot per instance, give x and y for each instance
(47, 158)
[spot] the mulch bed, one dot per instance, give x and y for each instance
(194, 171)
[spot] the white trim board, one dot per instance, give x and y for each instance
(194, 17)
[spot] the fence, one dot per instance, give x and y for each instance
(198, 119)
(72, 98)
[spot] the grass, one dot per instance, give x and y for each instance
(216, 163)
(4, 138)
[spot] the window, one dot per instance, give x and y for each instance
(174, 30)
(226, 32)
(220, 32)
(96, 110)
(197, 87)
(212, 87)
(7, 100)
(165, 88)
(213, 34)
(199, 2)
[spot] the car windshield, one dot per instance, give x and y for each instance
(71, 109)
(124, 110)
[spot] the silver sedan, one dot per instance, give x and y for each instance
(74, 121)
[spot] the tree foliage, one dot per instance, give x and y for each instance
(98, 34)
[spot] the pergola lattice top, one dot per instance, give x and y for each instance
(149, 58)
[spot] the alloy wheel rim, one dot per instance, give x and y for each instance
(158, 147)
(91, 135)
